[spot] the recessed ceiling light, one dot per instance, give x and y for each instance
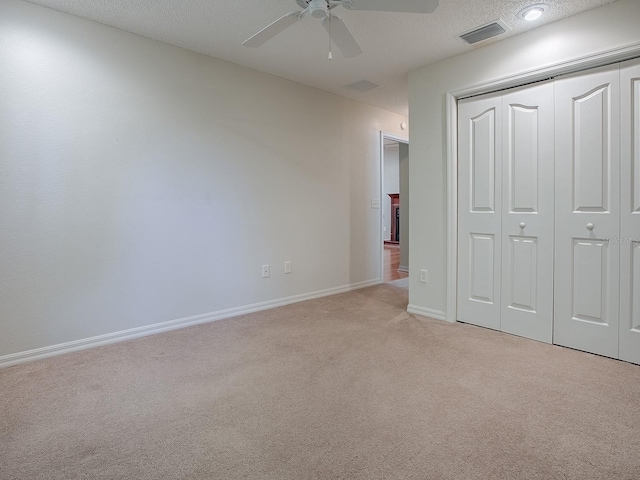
(533, 12)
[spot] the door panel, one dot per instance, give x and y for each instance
(483, 158)
(589, 280)
(630, 213)
(482, 278)
(634, 318)
(527, 212)
(587, 259)
(523, 274)
(479, 235)
(523, 157)
(591, 162)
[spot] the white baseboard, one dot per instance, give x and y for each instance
(403, 269)
(116, 337)
(427, 312)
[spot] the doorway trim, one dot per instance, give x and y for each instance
(614, 55)
(396, 138)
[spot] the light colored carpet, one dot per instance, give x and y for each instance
(346, 387)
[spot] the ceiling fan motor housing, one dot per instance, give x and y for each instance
(318, 8)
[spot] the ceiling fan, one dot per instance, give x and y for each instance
(338, 31)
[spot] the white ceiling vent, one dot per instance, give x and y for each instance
(485, 32)
(364, 86)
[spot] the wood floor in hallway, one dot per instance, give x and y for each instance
(392, 263)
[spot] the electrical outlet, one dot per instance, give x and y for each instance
(424, 276)
(375, 203)
(266, 271)
(287, 267)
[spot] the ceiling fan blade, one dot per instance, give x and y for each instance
(272, 30)
(342, 37)
(408, 6)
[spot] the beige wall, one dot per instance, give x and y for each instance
(404, 205)
(141, 183)
(606, 28)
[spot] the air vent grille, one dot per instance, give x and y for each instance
(364, 86)
(483, 33)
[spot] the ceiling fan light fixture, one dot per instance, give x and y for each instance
(318, 8)
(533, 12)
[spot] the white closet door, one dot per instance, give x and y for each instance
(630, 213)
(528, 211)
(587, 263)
(479, 204)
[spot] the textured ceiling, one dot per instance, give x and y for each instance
(393, 43)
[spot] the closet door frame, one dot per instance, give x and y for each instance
(451, 106)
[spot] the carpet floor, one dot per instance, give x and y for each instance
(344, 387)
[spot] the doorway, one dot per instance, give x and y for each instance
(395, 209)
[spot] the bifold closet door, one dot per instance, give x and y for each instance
(629, 240)
(528, 211)
(587, 260)
(479, 210)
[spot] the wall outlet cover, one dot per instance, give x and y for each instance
(424, 276)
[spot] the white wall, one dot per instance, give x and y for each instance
(391, 168)
(142, 183)
(605, 28)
